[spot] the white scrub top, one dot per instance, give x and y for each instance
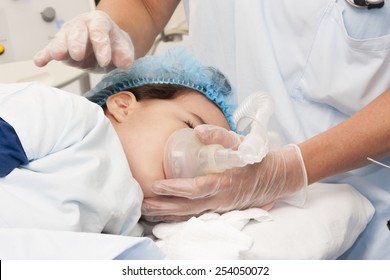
(322, 61)
(78, 178)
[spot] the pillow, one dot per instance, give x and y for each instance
(330, 222)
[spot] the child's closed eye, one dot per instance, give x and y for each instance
(189, 123)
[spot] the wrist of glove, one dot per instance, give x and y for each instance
(280, 175)
(91, 41)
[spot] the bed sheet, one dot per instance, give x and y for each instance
(39, 244)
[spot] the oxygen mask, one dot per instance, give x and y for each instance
(186, 157)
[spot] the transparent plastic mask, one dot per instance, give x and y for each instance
(186, 157)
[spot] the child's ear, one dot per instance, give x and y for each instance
(121, 104)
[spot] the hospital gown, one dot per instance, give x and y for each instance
(322, 61)
(77, 177)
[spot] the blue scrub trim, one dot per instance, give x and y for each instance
(12, 154)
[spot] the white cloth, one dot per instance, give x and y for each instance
(210, 236)
(320, 60)
(78, 178)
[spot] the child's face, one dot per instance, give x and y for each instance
(145, 126)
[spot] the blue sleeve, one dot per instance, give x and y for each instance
(12, 154)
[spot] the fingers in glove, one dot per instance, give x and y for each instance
(191, 188)
(58, 48)
(122, 49)
(167, 219)
(99, 31)
(173, 206)
(77, 40)
(42, 57)
(68, 45)
(210, 134)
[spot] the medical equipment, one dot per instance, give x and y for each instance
(378, 162)
(370, 4)
(26, 26)
(185, 156)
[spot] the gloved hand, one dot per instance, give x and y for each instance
(91, 41)
(280, 174)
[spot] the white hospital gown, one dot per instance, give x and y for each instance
(78, 178)
(321, 60)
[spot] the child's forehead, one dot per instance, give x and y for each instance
(190, 94)
(194, 97)
(195, 101)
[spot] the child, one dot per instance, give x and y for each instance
(65, 162)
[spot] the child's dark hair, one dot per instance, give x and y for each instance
(156, 91)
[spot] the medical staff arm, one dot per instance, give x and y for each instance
(110, 36)
(142, 20)
(347, 145)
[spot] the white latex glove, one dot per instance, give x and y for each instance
(90, 41)
(281, 173)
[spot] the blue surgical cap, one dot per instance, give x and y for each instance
(177, 66)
